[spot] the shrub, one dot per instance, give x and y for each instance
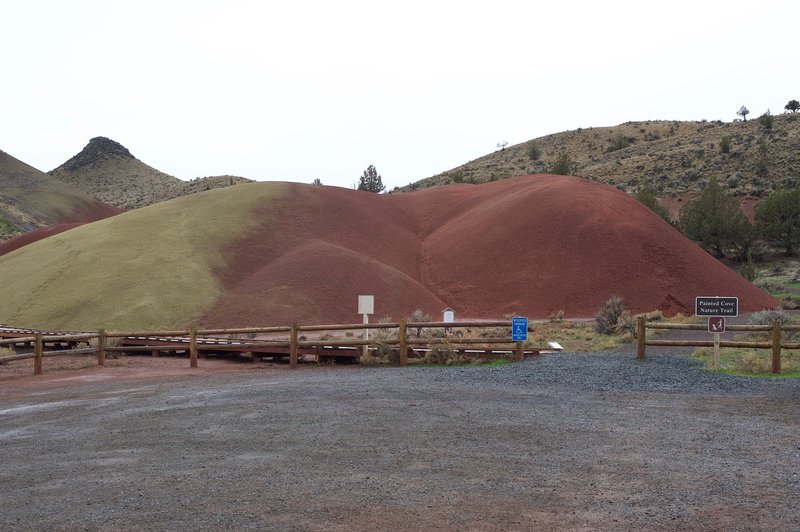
(715, 220)
(767, 316)
(778, 219)
(766, 120)
(725, 145)
(556, 316)
(384, 352)
(655, 315)
(608, 317)
(619, 142)
(443, 353)
(626, 324)
(647, 197)
(533, 150)
(749, 270)
(418, 316)
(751, 363)
(369, 360)
(563, 165)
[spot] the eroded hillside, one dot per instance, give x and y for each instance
(675, 158)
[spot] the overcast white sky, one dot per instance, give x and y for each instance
(303, 89)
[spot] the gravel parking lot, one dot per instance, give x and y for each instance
(576, 441)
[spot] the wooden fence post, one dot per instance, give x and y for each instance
(101, 347)
(293, 348)
(640, 338)
(38, 349)
(776, 347)
(519, 351)
(193, 347)
(401, 333)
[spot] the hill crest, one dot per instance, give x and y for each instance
(106, 170)
(676, 158)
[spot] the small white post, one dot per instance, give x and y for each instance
(365, 348)
(366, 306)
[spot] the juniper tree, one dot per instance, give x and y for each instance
(778, 219)
(715, 221)
(371, 181)
(743, 112)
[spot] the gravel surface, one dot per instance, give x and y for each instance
(589, 441)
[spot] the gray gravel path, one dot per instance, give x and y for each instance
(590, 441)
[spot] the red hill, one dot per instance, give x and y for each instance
(528, 245)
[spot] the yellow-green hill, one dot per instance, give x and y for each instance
(153, 267)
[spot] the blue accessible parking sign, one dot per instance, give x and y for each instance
(519, 329)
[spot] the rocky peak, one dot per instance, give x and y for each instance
(97, 148)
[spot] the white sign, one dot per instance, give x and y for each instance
(716, 306)
(448, 315)
(366, 304)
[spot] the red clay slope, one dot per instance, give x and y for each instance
(28, 238)
(91, 213)
(528, 245)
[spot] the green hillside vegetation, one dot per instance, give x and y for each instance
(676, 158)
(153, 267)
(8, 230)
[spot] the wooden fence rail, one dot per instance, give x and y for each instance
(194, 340)
(776, 342)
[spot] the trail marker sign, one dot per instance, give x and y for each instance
(716, 306)
(716, 324)
(519, 329)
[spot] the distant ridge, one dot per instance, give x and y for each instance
(31, 200)
(676, 158)
(106, 170)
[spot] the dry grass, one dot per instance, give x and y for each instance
(746, 361)
(781, 278)
(149, 268)
(676, 158)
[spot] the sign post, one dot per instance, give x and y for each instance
(519, 334)
(716, 308)
(366, 306)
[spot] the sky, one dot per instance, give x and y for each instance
(299, 90)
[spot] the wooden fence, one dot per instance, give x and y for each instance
(194, 340)
(775, 329)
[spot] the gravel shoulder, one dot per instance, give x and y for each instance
(575, 441)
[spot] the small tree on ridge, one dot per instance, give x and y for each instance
(743, 112)
(371, 181)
